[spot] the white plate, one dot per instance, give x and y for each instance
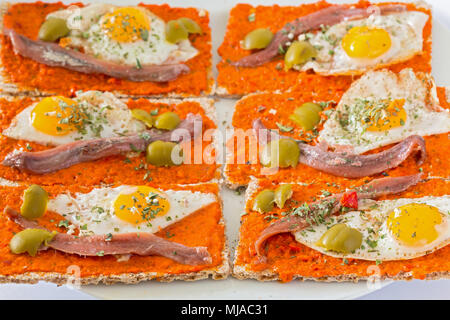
(233, 204)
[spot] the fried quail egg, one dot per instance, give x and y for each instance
(59, 120)
(352, 47)
(127, 35)
(392, 229)
(127, 208)
(382, 108)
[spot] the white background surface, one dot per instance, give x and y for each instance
(398, 290)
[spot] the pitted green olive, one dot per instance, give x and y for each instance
(281, 153)
(167, 121)
(34, 202)
(264, 201)
(160, 154)
(176, 31)
(190, 25)
(257, 39)
(299, 52)
(307, 115)
(29, 240)
(282, 194)
(341, 238)
(52, 29)
(143, 116)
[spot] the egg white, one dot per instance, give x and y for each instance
(424, 116)
(405, 30)
(93, 212)
(81, 19)
(86, 32)
(372, 223)
(114, 117)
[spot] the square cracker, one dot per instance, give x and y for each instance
(234, 82)
(91, 271)
(112, 169)
(199, 82)
(289, 260)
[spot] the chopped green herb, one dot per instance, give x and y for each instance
(145, 135)
(284, 128)
(63, 223)
(372, 243)
(169, 235)
(144, 34)
(138, 64)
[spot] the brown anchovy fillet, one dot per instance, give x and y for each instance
(352, 165)
(53, 55)
(325, 17)
(67, 155)
(142, 244)
(332, 205)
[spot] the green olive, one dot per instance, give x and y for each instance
(34, 202)
(281, 153)
(282, 194)
(190, 25)
(143, 116)
(52, 29)
(176, 31)
(307, 115)
(264, 201)
(341, 238)
(257, 39)
(299, 53)
(29, 240)
(160, 154)
(167, 121)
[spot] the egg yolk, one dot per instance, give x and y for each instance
(126, 24)
(142, 205)
(391, 115)
(415, 224)
(55, 116)
(366, 42)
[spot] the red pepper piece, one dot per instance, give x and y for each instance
(350, 200)
(295, 247)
